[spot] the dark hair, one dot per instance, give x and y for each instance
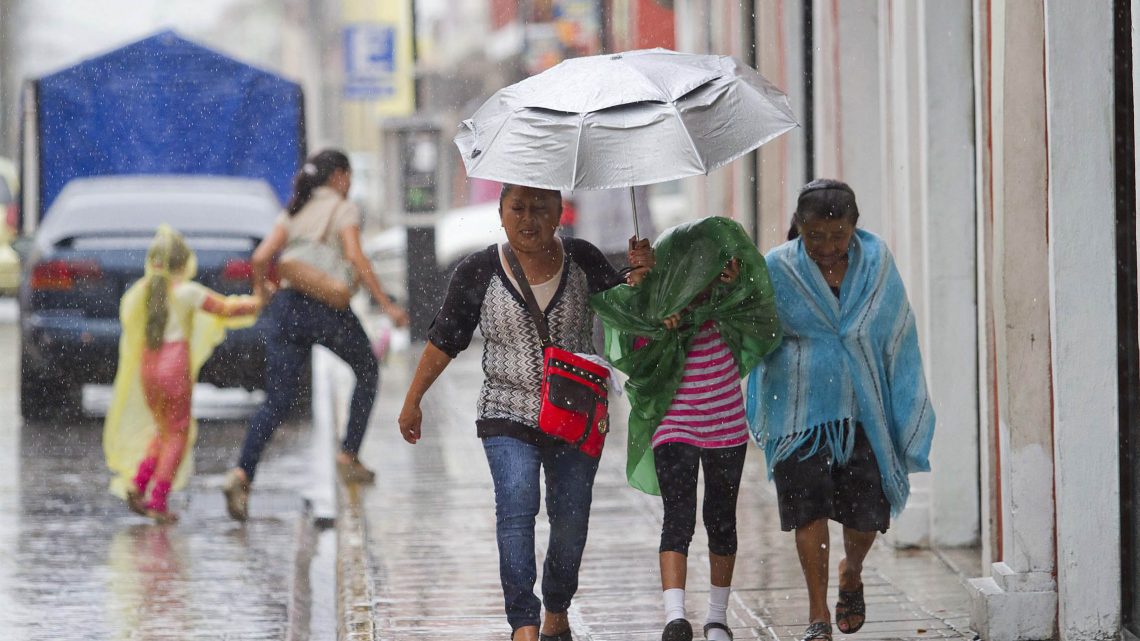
(824, 198)
(315, 172)
(507, 187)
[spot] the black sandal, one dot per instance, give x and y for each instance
(715, 625)
(564, 635)
(677, 630)
(818, 631)
(850, 605)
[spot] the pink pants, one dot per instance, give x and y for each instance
(167, 387)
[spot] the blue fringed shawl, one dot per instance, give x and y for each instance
(847, 359)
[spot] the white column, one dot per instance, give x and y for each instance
(951, 248)
(902, 218)
(1018, 601)
(847, 100)
(1082, 302)
(780, 58)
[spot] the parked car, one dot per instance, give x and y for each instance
(91, 247)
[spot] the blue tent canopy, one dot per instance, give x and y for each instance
(165, 105)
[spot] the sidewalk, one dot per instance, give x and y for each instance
(419, 559)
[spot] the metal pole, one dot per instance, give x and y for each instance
(809, 91)
(633, 206)
(752, 168)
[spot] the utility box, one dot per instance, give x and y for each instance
(415, 179)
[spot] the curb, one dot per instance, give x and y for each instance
(327, 374)
(313, 566)
(354, 599)
(355, 603)
(300, 587)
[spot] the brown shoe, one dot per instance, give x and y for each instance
(136, 502)
(355, 472)
(162, 518)
(236, 489)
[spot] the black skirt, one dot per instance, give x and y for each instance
(815, 487)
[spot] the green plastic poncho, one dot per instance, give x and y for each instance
(690, 258)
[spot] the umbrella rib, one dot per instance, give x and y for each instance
(577, 149)
(692, 143)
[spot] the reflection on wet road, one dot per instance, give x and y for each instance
(76, 564)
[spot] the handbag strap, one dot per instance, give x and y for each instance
(324, 237)
(536, 314)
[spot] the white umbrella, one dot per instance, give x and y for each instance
(622, 120)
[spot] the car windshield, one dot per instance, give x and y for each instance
(143, 241)
(140, 213)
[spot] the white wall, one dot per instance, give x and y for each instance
(950, 252)
(1082, 301)
(848, 105)
(780, 58)
(893, 106)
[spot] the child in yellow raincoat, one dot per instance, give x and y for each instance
(170, 326)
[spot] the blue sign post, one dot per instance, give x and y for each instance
(369, 61)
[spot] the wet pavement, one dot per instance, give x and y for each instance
(431, 562)
(412, 557)
(76, 564)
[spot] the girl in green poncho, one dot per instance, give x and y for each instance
(703, 317)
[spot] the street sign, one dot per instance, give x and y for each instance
(369, 61)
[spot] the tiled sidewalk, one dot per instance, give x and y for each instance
(428, 526)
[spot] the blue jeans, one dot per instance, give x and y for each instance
(569, 490)
(298, 323)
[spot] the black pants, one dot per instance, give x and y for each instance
(677, 465)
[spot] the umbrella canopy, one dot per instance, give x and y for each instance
(621, 120)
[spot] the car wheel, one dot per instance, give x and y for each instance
(43, 399)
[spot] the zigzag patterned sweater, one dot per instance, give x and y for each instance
(481, 296)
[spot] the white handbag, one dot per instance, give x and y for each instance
(318, 269)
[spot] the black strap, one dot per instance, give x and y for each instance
(531, 304)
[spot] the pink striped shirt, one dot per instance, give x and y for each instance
(708, 407)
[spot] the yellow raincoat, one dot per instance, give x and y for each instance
(130, 424)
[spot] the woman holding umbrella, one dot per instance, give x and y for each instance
(841, 407)
(562, 273)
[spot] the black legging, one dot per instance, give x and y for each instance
(677, 465)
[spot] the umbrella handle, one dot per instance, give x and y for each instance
(633, 207)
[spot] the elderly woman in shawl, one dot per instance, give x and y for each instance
(703, 317)
(841, 407)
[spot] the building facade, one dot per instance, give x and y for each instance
(991, 143)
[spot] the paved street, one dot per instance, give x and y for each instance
(432, 565)
(76, 564)
(415, 553)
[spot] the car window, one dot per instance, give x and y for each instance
(144, 242)
(105, 216)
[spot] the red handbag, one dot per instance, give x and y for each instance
(575, 396)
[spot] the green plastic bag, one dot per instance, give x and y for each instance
(690, 258)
